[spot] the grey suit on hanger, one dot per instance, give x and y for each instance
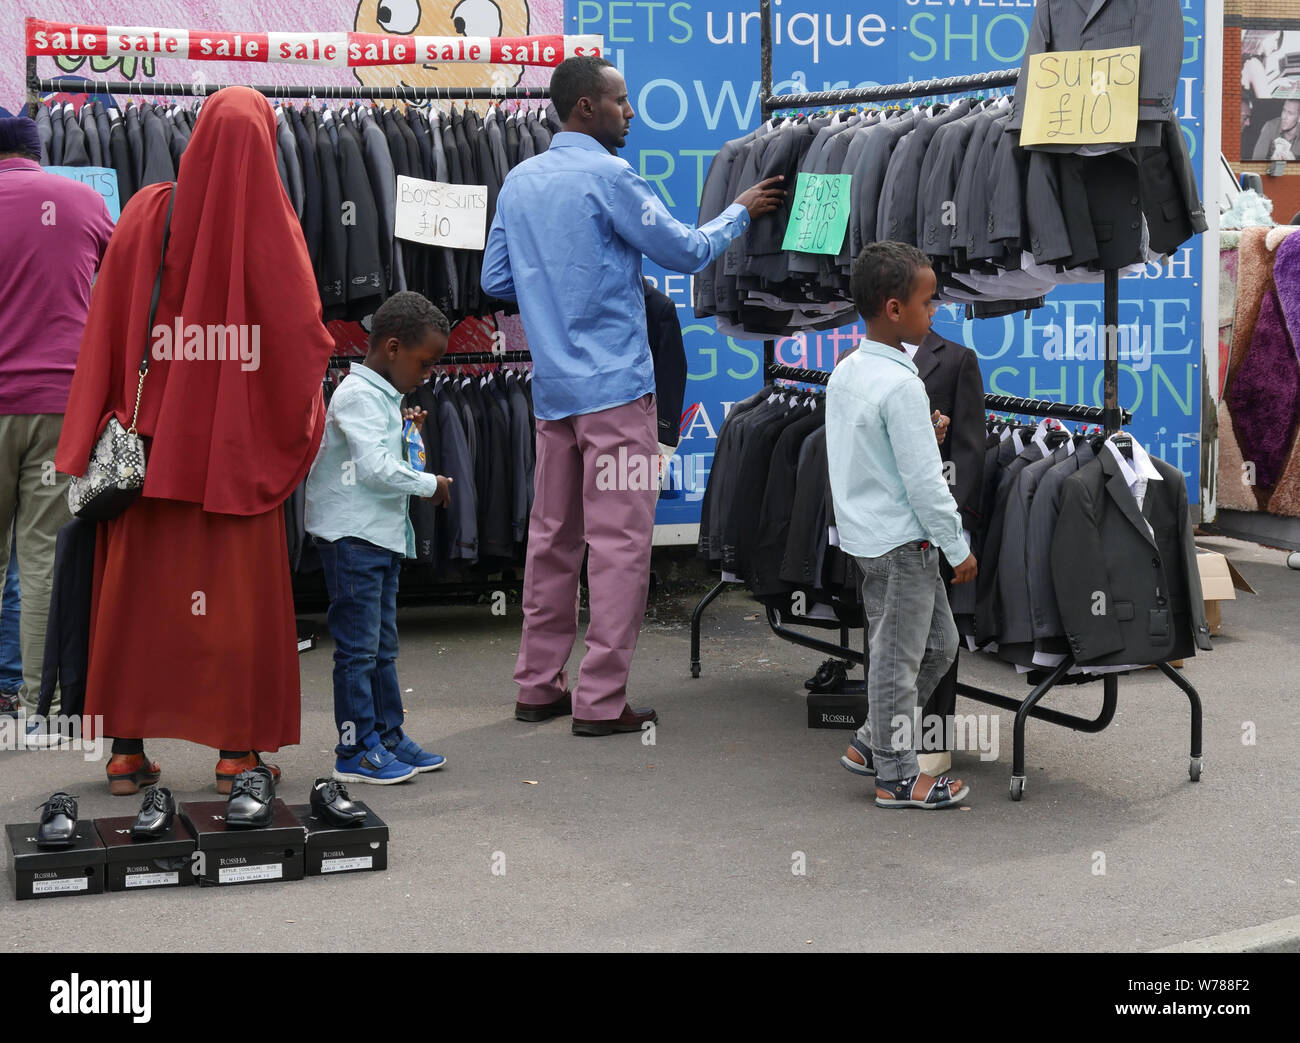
(45, 132)
(1082, 25)
(56, 134)
(86, 120)
(896, 219)
(74, 141)
(1043, 512)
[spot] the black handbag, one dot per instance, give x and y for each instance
(114, 477)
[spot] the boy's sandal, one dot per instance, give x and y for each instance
(943, 792)
(857, 758)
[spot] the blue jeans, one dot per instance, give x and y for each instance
(11, 652)
(362, 583)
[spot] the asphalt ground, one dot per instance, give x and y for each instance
(738, 829)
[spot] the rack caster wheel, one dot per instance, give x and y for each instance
(1017, 787)
(1194, 769)
(695, 669)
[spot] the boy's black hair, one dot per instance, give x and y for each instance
(406, 315)
(882, 271)
(582, 76)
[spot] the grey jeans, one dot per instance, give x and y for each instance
(911, 642)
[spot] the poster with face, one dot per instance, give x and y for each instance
(442, 18)
(1270, 95)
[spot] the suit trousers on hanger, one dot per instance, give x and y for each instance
(570, 512)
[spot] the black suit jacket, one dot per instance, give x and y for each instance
(664, 331)
(1125, 595)
(951, 375)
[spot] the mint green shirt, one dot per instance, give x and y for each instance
(361, 483)
(886, 474)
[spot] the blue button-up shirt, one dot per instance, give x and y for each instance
(886, 474)
(360, 483)
(570, 229)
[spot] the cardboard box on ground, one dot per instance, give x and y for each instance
(1220, 581)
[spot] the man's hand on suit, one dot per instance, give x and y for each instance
(763, 198)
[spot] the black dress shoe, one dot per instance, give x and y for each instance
(58, 826)
(252, 799)
(156, 813)
(561, 707)
(330, 803)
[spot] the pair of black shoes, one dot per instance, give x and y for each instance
(58, 825)
(252, 801)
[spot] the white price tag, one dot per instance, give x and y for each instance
(342, 865)
(48, 887)
(152, 879)
(441, 215)
(243, 874)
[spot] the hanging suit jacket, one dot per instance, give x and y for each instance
(1147, 587)
(56, 136)
(1083, 25)
(86, 119)
(74, 141)
(664, 331)
(135, 144)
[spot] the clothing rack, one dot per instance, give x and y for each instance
(1111, 417)
(337, 91)
(455, 592)
(464, 358)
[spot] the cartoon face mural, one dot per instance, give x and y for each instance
(442, 18)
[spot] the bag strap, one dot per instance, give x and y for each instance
(153, 308)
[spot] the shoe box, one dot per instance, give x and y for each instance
(826, 710)
(51, 872)
(344, 849)
(244, 856)
(139, 864)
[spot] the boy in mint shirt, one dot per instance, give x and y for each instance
(358, 492)
(896, 515)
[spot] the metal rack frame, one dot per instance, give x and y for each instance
(1110, 415)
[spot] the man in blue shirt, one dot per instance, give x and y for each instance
(571, 227)
(895, 514)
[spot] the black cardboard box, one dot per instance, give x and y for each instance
(837, 711)
(244, 856)
(131, 865)
(50, 872)
(351, 849)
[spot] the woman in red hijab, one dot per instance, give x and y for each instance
(192, 631)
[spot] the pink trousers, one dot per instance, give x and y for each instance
(595, 479)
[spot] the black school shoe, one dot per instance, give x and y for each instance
(252, 799)
(830, 677)
(156, 814)
(330, 803)
(58, 827)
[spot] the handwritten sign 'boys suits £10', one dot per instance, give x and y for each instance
(819, 215)
(430, 212)
(1082, 98)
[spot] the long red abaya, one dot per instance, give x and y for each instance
(192, 632)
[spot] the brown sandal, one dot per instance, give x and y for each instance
(128, 772)
(229, 769)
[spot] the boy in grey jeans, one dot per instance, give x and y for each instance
(895, 515)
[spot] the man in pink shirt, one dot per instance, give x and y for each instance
(55, 233)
